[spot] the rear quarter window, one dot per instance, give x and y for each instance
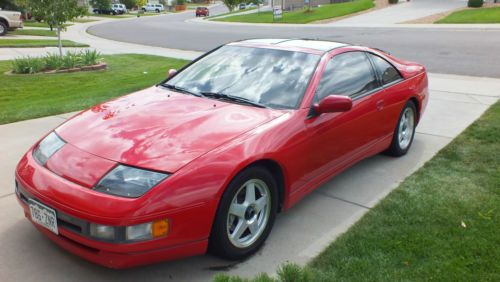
(387, 72)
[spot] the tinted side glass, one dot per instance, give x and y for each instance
(386, 71)
(348, 74)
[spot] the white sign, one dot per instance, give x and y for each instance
(277, 12)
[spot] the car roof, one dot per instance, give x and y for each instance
(319, 46)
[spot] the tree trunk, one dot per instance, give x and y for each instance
(59, 41)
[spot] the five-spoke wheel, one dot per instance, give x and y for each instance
(248, 213)
(245, 215)
(405, 131)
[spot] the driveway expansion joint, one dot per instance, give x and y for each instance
(7, 195)
(340, 199)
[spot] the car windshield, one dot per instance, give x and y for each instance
(273, 78)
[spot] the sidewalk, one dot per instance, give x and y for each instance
(455, 102)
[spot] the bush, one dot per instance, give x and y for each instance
(90, 57)
(475, 3)
(30, 65)
(71, 60)
(393, 1)
(52, 61)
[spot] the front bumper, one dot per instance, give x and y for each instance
(77, 206)
(72, 238)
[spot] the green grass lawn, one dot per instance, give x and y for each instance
(35, 32)
(304, 16)
(233, 12)
(39, 24)
(31, 96)
(441, 224)
(84, 20)
(478, 15)
(31, 43)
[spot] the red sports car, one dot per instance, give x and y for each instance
(202, 12)
(207, 158)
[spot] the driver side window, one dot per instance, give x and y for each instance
(348, 74)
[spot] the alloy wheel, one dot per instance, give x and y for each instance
(248, 213)
(406, 128)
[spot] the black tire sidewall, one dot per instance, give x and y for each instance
(395, 148)
(4, 29)
(219, 243)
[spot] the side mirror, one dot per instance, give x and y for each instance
(171, 72)
(333, 104)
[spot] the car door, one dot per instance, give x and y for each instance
(338, 139)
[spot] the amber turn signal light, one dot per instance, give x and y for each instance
(160, 228)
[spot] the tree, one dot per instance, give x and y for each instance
(23, 6)
(8, 5)
(55, 13)
(141, 3)
(231, 4)
(129, 3)
(101, 4)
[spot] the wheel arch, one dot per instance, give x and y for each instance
(277, 171)
(5, 21)
(417, 106)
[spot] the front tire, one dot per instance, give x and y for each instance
(404, 132)
(3, 29)
(245, 215)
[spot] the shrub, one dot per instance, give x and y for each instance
(27, 65)
(90, 57)
(475, 3)
(70, 60)
(393, 1)
(52, 61)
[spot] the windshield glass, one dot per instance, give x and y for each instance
(274, 78)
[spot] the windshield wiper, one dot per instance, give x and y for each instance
(227, 97)
(181, 89)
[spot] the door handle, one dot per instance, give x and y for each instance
(380, 105)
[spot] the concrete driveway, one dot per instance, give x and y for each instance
(402, 12)
(298, 235)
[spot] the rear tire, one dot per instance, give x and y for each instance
(3, 29)
(245, 215)
(404, 132)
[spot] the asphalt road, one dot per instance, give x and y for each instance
(471, 52)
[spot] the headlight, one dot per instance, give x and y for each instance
(129, 182)
(47, 147)
(102, 231)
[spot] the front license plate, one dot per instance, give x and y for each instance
(43, 215)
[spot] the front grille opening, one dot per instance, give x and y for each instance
(70, 226)
(23, 198)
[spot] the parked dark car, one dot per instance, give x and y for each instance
(243, 6)
(202, 12)
(108, 11)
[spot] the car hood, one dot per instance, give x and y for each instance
(160, 129)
